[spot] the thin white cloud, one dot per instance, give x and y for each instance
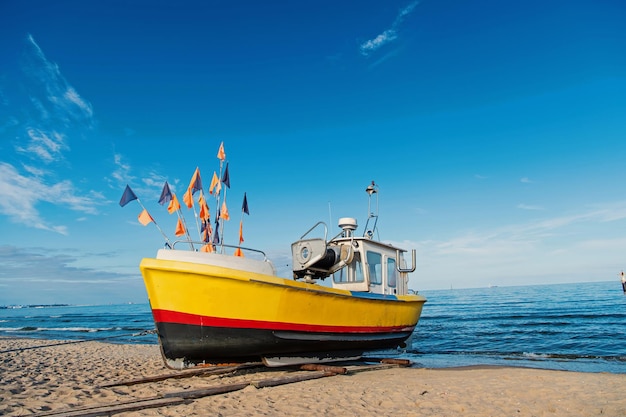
(585, 242)
(46, 111)
(56, 110)
(525, 180)
(388, 35)
(50, 91)
(20, 195)
(44, 146)
(373, 44)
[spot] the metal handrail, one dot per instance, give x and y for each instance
(314, 226)
(413, 262)
(228, 246)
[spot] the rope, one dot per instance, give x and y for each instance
(142, 333)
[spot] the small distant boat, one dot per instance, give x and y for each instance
(623, 279)
(214, 307)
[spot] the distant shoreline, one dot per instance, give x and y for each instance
(19, 306)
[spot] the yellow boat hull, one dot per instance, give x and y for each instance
(209, 314)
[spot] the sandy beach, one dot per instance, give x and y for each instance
(40, 379)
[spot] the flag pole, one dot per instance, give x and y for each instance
(181, 217)
(219, 209)
(244, 210)
(221, 155)
(193, 205)
(206, 223)
(155, 223)
(223, 224)
(195, 215)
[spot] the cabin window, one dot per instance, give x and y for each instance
(353, 273)
(374, 262)
(392, 272)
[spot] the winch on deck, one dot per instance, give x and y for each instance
(316, 258)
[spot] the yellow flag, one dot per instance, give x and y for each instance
(224, 212)
(145, 218)
(174, 205)
(215, 183)
(221, 155)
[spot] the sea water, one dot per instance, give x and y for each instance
(575, 327)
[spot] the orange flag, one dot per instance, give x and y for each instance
(188, 198)
(145, 218)
(180, 229)
(215, 183)
(194, 185)
(207, 248)
(221, 155)
(240, 232)
(204, 209)
(224, 212)
(238, 252)
(174, 205)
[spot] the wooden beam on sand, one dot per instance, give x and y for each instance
(181, 397)
(274, 382)
(206, 392)
(215, 370)
(263, 383)
(109, 409)
(390, 361)
(328, 368)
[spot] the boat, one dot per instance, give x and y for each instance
(348, 295)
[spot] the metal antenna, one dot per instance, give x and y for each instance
(371, 190)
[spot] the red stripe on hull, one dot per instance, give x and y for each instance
(167, 316)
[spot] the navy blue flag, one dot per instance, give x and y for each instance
(226, 177)
(216, 232)
(128, 196)
(244, 206)
(196, 182)
(166, 194)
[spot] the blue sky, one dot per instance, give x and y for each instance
(495, 131)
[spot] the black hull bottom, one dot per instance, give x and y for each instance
(190, 344)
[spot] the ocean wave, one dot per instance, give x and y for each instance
(58, 329)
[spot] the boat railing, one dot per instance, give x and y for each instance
(315, 226)
(222, 245)
(413, 261)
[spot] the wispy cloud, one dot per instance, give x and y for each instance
(53, 108)
(58, 103)
(121, 174)
(388, 35)
(525, 180)
(530, 232)
(41, 116)
(20, 195)
(563, 247)
(44, 146)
